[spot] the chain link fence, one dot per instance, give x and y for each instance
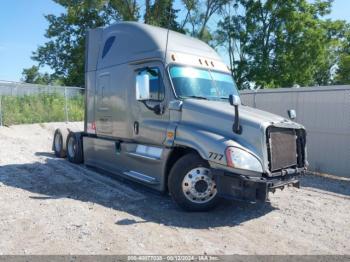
(28, 103)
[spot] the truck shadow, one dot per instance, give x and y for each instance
(54, 179)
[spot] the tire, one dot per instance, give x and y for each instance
(191, 185)
(75, 148)
(59, 143)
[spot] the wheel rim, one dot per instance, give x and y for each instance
(199, 186)
(58, 142)
(71, 147)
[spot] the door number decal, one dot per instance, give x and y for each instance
(215, 156)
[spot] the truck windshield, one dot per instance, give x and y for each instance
(191, 82)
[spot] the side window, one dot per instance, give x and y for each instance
(156, 87)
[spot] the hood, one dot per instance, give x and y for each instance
(218, 117)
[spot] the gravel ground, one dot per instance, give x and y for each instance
(50, 206)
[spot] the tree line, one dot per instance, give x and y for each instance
(268, 43)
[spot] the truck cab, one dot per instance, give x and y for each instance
(163, 109)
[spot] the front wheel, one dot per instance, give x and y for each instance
(192, 185)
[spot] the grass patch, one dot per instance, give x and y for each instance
(41, 108)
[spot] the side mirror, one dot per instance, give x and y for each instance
(234, 100)
(142, 87)
(292, 114)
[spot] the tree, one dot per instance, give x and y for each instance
(343, 67)
(270, 43)
(278, 43)
(162, 13)
(335, 45)
(64, 51)
(198, 15)
(343, 72)
(33, 76)
(128, 10)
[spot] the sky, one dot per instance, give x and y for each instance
(22, 29)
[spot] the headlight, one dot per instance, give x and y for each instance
(238, 158)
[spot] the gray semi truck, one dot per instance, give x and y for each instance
(162, 109)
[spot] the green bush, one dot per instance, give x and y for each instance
(41, 108)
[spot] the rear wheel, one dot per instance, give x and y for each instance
(192, 185)
(75, 148)
(59, 145)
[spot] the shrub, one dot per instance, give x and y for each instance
(41, 108)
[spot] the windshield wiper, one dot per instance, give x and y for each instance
(197, 97)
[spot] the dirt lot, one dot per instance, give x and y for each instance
(49, 206)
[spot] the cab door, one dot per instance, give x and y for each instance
(150, 118)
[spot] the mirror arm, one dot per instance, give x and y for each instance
(157, 109)
(237, 128)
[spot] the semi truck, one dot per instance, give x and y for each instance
(162, 109)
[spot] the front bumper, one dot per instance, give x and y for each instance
(253, 189)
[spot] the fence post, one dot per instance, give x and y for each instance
(0, 110)
(65, 104)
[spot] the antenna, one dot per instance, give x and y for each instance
(167, 34)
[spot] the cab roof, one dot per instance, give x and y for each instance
(127, 42)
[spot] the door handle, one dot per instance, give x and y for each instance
(136, 128)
